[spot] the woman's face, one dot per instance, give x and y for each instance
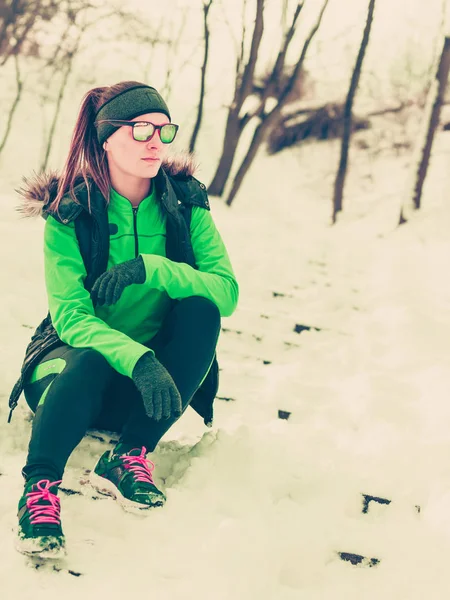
(139, 159)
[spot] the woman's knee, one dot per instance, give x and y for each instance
(89, 359)
(203, 307)
(85, 371)
(85, 365)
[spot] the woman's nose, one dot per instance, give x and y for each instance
(155, 142)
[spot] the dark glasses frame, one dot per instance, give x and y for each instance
(120, 123)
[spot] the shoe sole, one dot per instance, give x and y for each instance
(108, 488)
(33, 547)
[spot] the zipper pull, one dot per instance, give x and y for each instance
(11, 412)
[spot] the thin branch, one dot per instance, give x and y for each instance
(392, 109)
(299, 66)
(70, 57)
(277, 70)
(240, 58)
(19, 84)
(247, 78)
(281, 58)
(229, 27)
(167, 89)
(206, 8)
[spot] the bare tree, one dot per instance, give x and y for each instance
(243, 89)
(269, 119)
(67, 62)
(198, 122)
(18, 19)
(342, 170)
(64, 65)
(425, 141)
(18, 23)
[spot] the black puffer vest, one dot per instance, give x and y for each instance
(177, 193)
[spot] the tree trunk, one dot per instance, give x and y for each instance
(198, 122)
(342, 170)
(431, 121)
(267, 121)
(258, 137)
(232, 134)
(243, 89)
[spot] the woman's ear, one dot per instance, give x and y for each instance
(104, 145)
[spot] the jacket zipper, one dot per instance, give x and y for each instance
(136, 239)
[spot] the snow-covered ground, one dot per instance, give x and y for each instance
(259, 507)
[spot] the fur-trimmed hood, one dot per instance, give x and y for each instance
(39, 190)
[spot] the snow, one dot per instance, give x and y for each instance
(258, 507)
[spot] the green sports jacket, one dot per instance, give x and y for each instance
(119, 331)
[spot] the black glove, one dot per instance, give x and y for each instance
(109, 286)
(158, 390)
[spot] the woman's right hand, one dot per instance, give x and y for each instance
(158, 390)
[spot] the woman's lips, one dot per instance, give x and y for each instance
(150, 159)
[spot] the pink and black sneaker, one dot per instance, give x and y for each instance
(128, 477)
(40, 533)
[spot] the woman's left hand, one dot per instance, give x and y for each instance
(108, 288)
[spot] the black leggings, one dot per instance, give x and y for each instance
(89, 393)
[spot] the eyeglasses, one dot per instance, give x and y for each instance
(143, 131)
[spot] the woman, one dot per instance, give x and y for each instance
(137, 279)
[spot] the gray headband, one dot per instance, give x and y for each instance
(128, 105)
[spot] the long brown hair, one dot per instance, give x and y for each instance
(86, 158)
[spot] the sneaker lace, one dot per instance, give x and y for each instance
(44, 513)
(140, 466)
